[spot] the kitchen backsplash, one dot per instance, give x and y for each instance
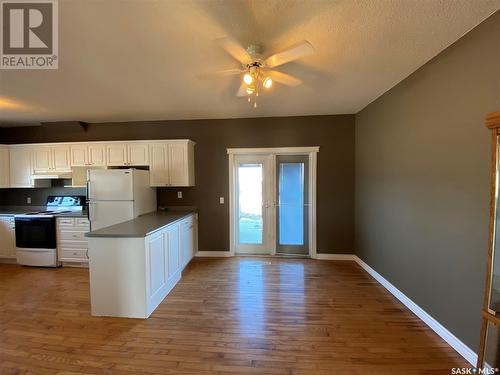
(19, 196)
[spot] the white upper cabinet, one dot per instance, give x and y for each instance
(86, 155)
(4, 167)
(178, 164)
(171, 163)
(138, 153)
(79, 155)
(41, 159)
(97, 155)
(60, 158)
(116, 154)
(158, 164)
(127, 154)
(51, 159)
(20, 166)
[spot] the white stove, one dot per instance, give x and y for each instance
(36, 231)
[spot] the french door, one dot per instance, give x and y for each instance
(292, 204)
(253, 196)
(270, 207)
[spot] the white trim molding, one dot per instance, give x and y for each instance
(462, 349)
(211, 254)
(274, 150)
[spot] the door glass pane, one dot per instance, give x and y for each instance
(291, 203)
(250, 203)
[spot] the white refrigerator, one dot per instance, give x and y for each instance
(118, 195)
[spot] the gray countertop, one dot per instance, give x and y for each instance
(18, 210)
(142, 225)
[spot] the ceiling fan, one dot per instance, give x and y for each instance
(257, 71)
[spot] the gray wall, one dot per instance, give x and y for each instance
(334, 135)
(422, 180)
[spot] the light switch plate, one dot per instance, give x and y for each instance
(28, 200)
(221, 200)
(179, 194)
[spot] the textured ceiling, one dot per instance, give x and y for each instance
(126, 60)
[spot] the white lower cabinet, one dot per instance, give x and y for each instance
(7, 237)
(72, 246)
(187, 250)
(130, 277)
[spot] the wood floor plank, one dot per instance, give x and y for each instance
(226, 316)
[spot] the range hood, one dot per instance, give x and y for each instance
(51, 175)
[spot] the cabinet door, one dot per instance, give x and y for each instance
(186, 240)
(42, 159)
(172, 246)
(79, 155)
(158, 164)
(7, 249)
(61, 158)
(138, 154)
(20, 167)
(4, 167)
(177, 164)
(97, 155)
(157, 270)
(12, 240)
(116, 154)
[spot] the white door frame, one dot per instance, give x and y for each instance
(268, 216)
(311, 152)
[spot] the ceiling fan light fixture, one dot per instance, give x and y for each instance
(247, 78)
(250, 90)
(267, 83)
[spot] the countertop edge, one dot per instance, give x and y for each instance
(92, 235)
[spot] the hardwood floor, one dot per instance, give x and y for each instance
(226, 316)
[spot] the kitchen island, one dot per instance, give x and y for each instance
(134, 265)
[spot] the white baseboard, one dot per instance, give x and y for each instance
(335, 257)
(222, 254)
(462, 349)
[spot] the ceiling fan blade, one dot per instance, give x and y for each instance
(284, 78)
(294, 52)
(220, 73)
(242, 91)
(235, 49)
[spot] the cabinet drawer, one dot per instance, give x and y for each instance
(74, 254)
(72, 245)
(82, 222)
(65, 221)
(72, 236)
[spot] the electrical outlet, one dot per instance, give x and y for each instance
(179, 194)
(28, 200)
(221, 200)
